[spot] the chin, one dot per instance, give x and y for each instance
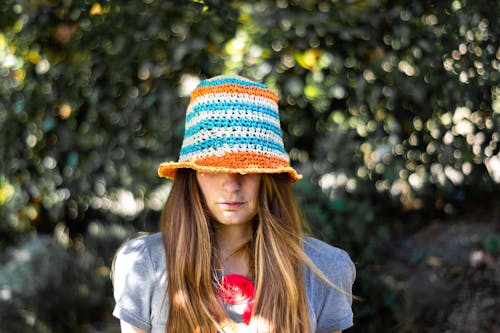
(230, 221)
(234, 222)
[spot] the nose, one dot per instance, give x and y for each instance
(232, 182)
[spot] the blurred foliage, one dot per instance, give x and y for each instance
(46, 286)
(389, 108)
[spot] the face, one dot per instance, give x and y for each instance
(231, 198)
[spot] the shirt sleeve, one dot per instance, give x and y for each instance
(335, 304)
(133, 281)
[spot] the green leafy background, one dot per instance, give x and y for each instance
(390, 109)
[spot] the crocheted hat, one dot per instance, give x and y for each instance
(232, 126)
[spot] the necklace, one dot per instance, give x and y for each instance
(237, 262)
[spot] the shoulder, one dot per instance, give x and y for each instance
(141, 245)
(140, 255)
(329, 303)
(333, 262)
(328, 258)
(138, 272)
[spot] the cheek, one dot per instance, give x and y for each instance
(254, 193)
(204, 184)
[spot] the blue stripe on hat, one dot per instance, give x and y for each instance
(207, 124)
(231, 80)
(231, 141)
(216, 107)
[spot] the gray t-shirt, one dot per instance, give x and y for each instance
(139, 285)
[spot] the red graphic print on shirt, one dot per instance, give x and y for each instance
(237, 294)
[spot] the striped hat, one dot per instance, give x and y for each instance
(232, 126)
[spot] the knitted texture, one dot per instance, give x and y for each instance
(232, 125)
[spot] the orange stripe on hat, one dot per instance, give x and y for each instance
(234, 88)
(242, 161)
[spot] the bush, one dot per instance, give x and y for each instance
(46, 285)
(390, 110)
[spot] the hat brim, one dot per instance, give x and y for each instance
(169, 169)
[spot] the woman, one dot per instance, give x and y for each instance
(232, 256)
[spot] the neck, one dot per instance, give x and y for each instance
(231, 241)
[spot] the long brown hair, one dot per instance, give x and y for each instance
(188, 234)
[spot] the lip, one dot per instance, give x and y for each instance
(231, 205)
